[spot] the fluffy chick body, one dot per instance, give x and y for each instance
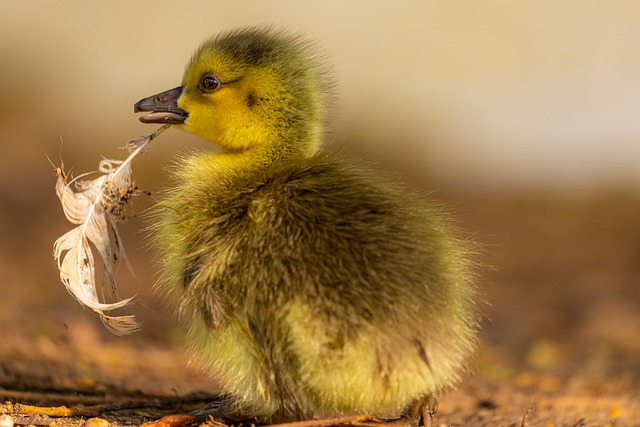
(308, 282)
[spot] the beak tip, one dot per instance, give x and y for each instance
(162, 108)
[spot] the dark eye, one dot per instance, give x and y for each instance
(209, 83)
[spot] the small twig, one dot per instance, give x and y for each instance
(52, 411)
(530, 411)
(83, 405)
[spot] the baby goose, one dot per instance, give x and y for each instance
(308, 282)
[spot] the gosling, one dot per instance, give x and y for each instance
(309, 283)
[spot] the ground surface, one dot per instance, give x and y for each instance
(562, 334)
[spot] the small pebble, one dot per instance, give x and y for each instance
(6, 421)
(96, 422)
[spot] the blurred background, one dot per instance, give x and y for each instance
(522, 117)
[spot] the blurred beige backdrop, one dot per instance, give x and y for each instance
(475, 98)
(484, 95)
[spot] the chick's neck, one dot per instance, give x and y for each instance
(267, 155)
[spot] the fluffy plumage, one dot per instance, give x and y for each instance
(307, 281)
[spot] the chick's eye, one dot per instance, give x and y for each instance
(209, 83)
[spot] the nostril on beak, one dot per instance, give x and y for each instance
(159, 99)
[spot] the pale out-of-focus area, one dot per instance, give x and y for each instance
(522, 117)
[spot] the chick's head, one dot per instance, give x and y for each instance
(245, 90)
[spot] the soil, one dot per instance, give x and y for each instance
(560, 347)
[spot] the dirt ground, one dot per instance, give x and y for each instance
(561, 342)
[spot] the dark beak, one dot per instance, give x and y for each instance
(163, 107)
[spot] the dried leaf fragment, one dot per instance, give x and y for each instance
(174, 420)
(96, 206)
